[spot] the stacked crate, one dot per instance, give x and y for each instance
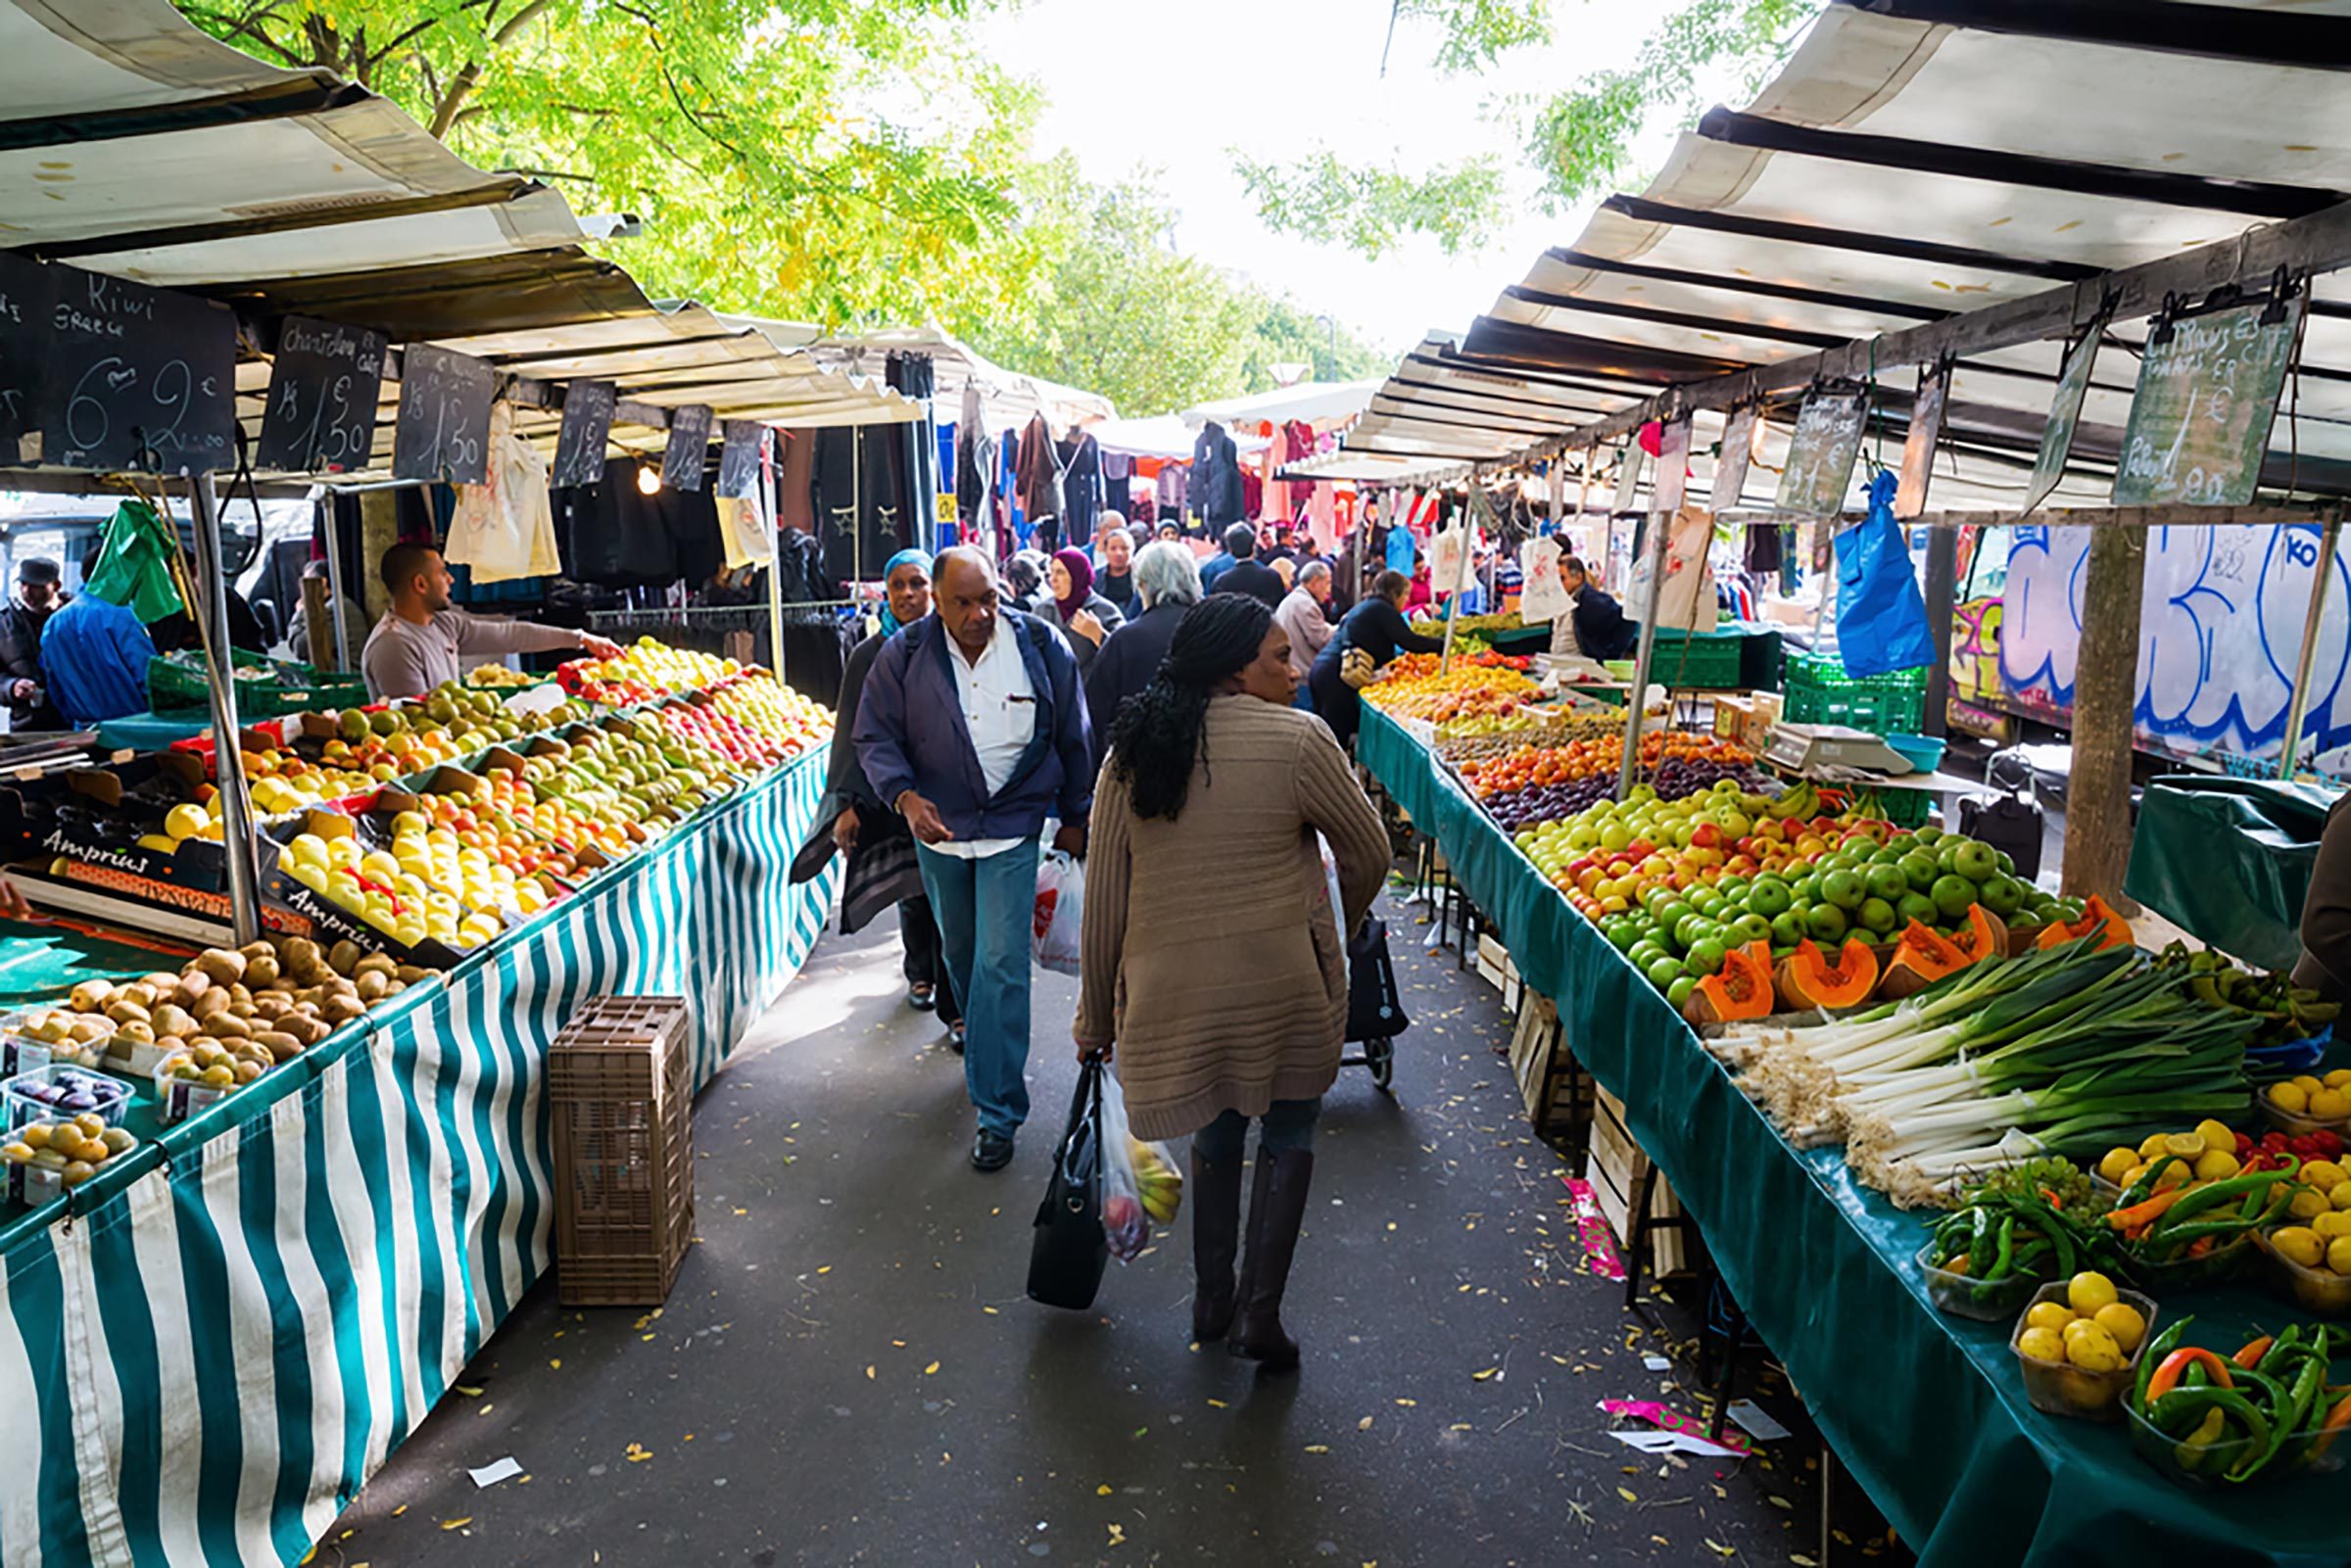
(620, 1088)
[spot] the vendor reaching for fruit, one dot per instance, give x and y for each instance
(414, 647)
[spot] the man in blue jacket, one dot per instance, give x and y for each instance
(973, 727)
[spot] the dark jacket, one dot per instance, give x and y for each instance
(1600, 629)
(1214, 491)
(911, 734)
(21, 660)
(844, 776)
(1048, 610)
(1253, 578)
(1378, 628)
(1129, 661)
(1119, 590)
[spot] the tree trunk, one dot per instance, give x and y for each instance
(2098, 812)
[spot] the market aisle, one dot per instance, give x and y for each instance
(849, 1372)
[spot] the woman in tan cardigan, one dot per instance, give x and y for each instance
(1212, 957)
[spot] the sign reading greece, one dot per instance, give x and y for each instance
(2207, 396)
(137, 378)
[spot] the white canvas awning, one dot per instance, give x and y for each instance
(1317, 402)
(1009, 398)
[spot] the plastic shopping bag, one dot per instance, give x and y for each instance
(1139, 1181)
(1059, 920)
(1880, 615)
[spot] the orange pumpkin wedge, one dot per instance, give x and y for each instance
(1808, 978)
(1741, 990)
(1921, 957)
(1984, 937)
(2095, 914)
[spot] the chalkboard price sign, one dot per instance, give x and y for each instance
(738, 460)
(1926, 433)
(137, 377)
(2207, 397)
(323, 381)
(2065, 412)
(23, 338)
(689, 446)
(586, 426)
(444, 431)
(1821, 452)
(1738, 451)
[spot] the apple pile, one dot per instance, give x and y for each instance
(644, 670)
(425, 885)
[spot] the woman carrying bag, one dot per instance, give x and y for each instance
(1211, 958)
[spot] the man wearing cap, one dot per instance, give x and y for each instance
(37, 597)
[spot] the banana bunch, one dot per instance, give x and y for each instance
(1803, 801)
(1160, 1183)
(2288, 1012)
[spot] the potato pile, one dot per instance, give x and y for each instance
(232, 1014)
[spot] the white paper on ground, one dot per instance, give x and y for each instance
(489, 1475)
(1754, 1422)
(1655, 1440)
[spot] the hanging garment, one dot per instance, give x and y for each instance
(974, 455)
(1081, 488)
(1762, 548)
(1216, 497)
(1171, 492)
(917, 449)
(796, 483)
(1036, 469)
(505, 527)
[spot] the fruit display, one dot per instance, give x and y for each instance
(55, 1034)
(2040, 1221)
(498, 678)
(2323, 1103)
(2288, 1013)
(60, 1090)
(422, 885)
(1538, 784)
(2185, 1222)
(2092, 1329)
(643, 669)
(73, 1148)
(2265, 1408)
(761, 704)
(1411, 688)
(1475, 625)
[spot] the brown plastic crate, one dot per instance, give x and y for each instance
(621, 1099)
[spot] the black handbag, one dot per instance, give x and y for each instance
(1375, 1005)
(1070, 1249)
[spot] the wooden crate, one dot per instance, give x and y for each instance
(1494, 963)
(1615, 1167)
(620, 1093)
(1556, 1101)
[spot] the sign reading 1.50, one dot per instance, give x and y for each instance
(137, 377)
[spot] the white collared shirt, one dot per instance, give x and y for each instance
(999, 709)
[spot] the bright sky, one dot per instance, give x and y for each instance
(1172, 86)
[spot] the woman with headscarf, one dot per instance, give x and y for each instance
(1203, 863)
(1084, 616)
(852, 820)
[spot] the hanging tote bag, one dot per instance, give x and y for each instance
(1880, 615)
(1069, 1250)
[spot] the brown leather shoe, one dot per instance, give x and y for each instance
(1276, 1208)
(1216, 1198)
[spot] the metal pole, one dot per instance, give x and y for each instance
(772, 523)
(1942, 594)
(1661, 532)
(334, 577)
(2299, 706)
(228, 755)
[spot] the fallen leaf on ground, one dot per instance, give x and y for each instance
(457, 1524)
(1626, 1493)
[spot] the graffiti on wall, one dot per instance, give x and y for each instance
(2219, 633)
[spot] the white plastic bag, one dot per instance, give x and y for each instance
(1140, 1180)
(1059, 918)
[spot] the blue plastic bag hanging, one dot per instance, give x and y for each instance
(1881, 616)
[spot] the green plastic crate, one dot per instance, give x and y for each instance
(267, 689)
(1819, 692)
(1696, 661)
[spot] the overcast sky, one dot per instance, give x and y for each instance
(1172, 86)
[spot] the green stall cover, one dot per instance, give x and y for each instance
(2227, 860)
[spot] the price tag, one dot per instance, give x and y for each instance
(444, 431)
(586, 426)
(689, 446)
(137, 377)
(320, 412)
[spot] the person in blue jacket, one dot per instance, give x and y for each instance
(973, 727)
(94, 658)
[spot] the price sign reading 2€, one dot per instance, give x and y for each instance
(137, 377)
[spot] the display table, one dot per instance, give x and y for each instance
(1927, 1410)
(152, 732)
(225, 1339)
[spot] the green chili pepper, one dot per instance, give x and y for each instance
(2213, 1196)
(2005, 1254)
(2297, 1408)
(2162, 1346)
(2287, 1346)
(2184, 1407)
(2144, 1188)
(1980, 1254)
(2061, 1237)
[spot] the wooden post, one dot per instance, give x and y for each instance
(1942, 594)
(2097, 807)
(319, 626)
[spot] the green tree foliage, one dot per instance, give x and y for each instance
(1479, 32)
(1323, 198)
(1581, 141)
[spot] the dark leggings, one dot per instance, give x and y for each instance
(927, 956)
(1287, 1124)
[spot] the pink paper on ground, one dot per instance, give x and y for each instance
(1657, 1415)
(1592, 1230)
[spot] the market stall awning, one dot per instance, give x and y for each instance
(1161, 436)
(1908, 165)
(1368, 468)
(1317, 402)
(1008, 398)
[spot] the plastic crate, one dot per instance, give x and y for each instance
(1819, 692)
(1696, 661)
(620, 1090)
(267, 689)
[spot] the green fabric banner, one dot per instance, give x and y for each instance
(1928, 1412)
(2228, 861)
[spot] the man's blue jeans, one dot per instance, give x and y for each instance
(984, 908)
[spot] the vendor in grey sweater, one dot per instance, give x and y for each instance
(415, 646)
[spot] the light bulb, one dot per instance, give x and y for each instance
(648, 480)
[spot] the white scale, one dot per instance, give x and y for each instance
(1807, 748)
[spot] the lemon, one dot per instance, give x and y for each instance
(2154, 1145)
(2333, 1223)
(2324, 1175)
(184, 821)
(2131, 1175)
(2122, 1320)
(2094, 1350)
(2216, 1134)
(2330, 1105)
(2053, 1316)
(2089, 1291)
(2338, 1255)
(2173, 1174)
(2289, 1098)
(2340, 1194)
(2339, 1079)
(2216, 1165)
(2042, 1344)
(2308, 1204)
(2298, 1244)
(2187, 1144)
(2307, 1083)
(2117, 1165)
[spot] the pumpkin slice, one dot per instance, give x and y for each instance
(1741, 990)
(2095, 914)
(1921, 957)
(1809, 978)
(1984, 937)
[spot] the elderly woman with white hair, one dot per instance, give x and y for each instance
(1167, 583)
(1305, 615)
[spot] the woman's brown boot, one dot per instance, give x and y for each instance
(1276, 1208)
(1215, 1197)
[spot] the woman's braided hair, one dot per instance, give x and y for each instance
(1159, 733)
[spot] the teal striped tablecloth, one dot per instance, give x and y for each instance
(207, 1362)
